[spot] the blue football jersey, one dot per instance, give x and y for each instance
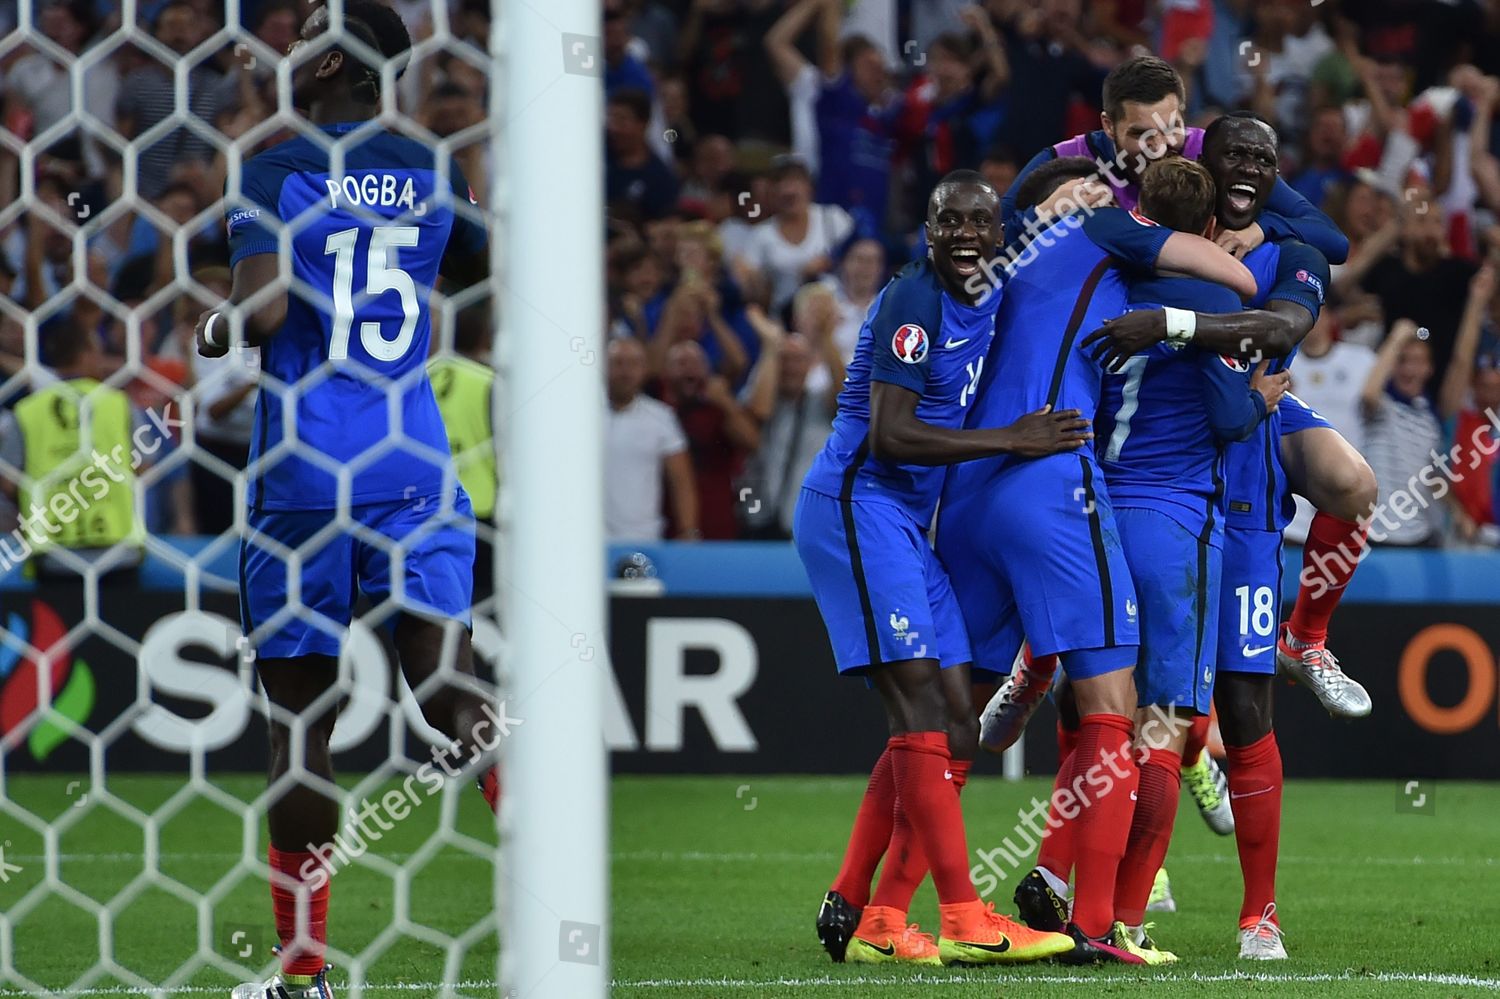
(920, 338)
(1166, 413)
(1062, 287)
(1257, 496)
(365, 246)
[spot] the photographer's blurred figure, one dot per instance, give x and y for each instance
(77, 490)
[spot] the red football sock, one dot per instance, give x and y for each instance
(1197, 738)
(872, 832)
(1056, 852)
(905, 863)
(1329, 558)
(1255, 798)
(922, 767)
(1103, 775)
(1150, 833)
(301, 952)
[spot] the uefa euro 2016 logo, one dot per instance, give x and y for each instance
(72, 684)
(910, 344)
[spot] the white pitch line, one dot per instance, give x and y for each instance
(1006, 977)
(190, 990)
(789, 856)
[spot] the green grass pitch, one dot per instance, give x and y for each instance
(716, 882)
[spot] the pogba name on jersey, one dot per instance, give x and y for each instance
(372, 190)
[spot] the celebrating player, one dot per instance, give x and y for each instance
(1032, 546)
(1240, 152)
(860, 528)
(1143, 101)
(1164, 418)
(368, 243)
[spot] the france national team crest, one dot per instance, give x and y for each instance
(910, 344)
(1235, 363)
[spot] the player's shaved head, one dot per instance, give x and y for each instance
(953, 182)
(1246, 123)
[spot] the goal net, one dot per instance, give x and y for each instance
(133, 733)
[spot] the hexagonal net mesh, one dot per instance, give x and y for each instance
(317, 480)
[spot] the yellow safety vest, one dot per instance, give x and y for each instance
(84, 501)
(464, 391)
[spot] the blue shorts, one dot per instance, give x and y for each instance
(1297, 415)
(1176, 575)
(883, 594)
(1249, 601)
(435, 577)
(1036, 555)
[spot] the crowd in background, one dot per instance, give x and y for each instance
(129, 301)
(768, 163)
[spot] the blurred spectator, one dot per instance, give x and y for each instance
(1290, 43)
(794, 422)
(1000, 167)
(147, 98)
(1420, 280)
(752, 207)
(711, 164)
(800, 243)
(43, 251)
(719, 432)
(622, 70)
(38, 92)
(844, 113)
(1054, 66)
(44, 439)
(704, 306)
(726, 70)
(1469, 403)
(633, 173)
(643, 446)
(1330, 376)
(859, 279)
(958, 116)
(1323, 168)
(1402, 434)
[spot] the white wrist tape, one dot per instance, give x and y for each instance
(1181, 325)
(213, 341)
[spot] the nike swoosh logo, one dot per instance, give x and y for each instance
(1251, 651)
(956, 343)
(889, 950)
(1251, 794)
(998, 948)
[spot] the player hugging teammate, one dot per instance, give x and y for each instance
(1146, 562)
